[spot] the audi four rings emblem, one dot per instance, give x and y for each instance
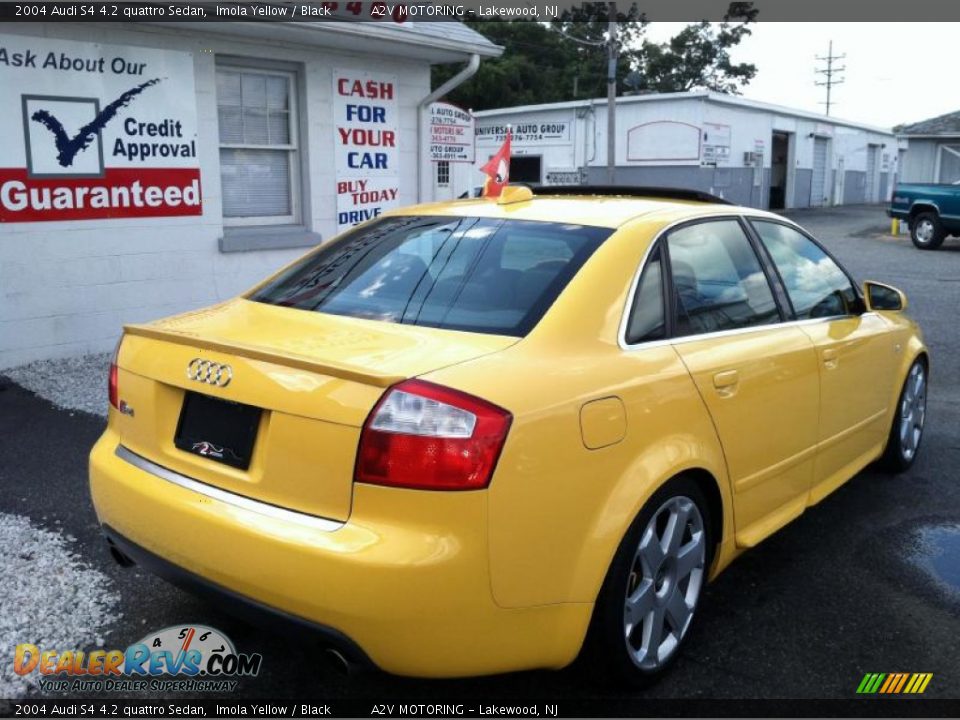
(207, 371)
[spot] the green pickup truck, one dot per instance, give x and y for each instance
(932, 211)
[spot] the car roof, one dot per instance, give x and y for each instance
(594, 210)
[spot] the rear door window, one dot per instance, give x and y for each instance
(718, 282)
(475, 274)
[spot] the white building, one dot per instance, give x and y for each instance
(153, 168)
(749, 152)
(934, 150)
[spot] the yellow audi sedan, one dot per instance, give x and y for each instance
(488, 435)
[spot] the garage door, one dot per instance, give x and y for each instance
(818, 185)
(526, 169)
(871, 189)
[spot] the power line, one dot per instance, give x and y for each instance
(830, 72)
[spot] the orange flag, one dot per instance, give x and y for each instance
(498, 170)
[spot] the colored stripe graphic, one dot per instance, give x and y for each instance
(890, 682)
(894, 683)
(900, 682)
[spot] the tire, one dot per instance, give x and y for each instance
(927, 231)
(906, 432)
(649, 598)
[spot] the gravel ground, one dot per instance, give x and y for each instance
(49, 597)
(76, 383)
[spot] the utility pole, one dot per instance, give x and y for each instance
(829, 72)
(612, 52)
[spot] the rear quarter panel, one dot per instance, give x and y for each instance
(557, 509)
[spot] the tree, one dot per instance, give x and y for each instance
(587, 27)
(535, 67)
(566, 59)
(696, 57)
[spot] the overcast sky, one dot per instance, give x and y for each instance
(896, 72)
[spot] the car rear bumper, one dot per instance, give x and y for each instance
(404, 582)
(238, 605)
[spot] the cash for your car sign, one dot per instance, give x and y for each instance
(96, 131)
(367, 156)
(451, 133)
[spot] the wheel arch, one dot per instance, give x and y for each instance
(710, 487)
(719, 506)
(596, 633)
(915, 350)
(922, 207)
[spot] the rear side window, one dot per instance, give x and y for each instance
(647, 319)
(718, 283)
(816, 285)
(475, 274)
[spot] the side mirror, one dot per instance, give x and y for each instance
(883, 297)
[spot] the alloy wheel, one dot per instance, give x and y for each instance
(913, 411)
(665, 581)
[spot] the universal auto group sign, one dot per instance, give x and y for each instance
(96, 131)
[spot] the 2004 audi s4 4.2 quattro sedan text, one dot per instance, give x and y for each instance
(488, 435)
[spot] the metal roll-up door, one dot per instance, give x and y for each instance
(871, 189)
(819, 182)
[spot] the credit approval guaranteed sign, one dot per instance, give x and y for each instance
(96, 131)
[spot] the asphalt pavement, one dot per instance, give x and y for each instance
(863, 582)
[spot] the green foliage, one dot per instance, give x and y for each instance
(534, 66)
(696, 57)
(567, 59)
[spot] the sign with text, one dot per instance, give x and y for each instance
(96, 131)
(367, 157)
(451, 133)
(716, 144)
(530, 132)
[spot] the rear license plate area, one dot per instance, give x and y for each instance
(219, 430)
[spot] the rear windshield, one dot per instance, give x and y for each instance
(476, 274)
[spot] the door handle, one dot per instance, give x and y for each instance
(726, 379)
(831, 357)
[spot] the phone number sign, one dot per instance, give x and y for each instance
(452, 136)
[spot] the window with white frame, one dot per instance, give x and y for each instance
(443, 173)
(949, 164)
(259, 164)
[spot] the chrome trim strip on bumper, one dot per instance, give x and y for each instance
(271, 511)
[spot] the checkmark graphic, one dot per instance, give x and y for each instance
(67, 147)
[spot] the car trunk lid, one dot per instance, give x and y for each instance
(313, 379)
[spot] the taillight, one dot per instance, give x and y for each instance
(113, 391)
(431, 437)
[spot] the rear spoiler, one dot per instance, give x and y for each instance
(253, 352)
(632, 191)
